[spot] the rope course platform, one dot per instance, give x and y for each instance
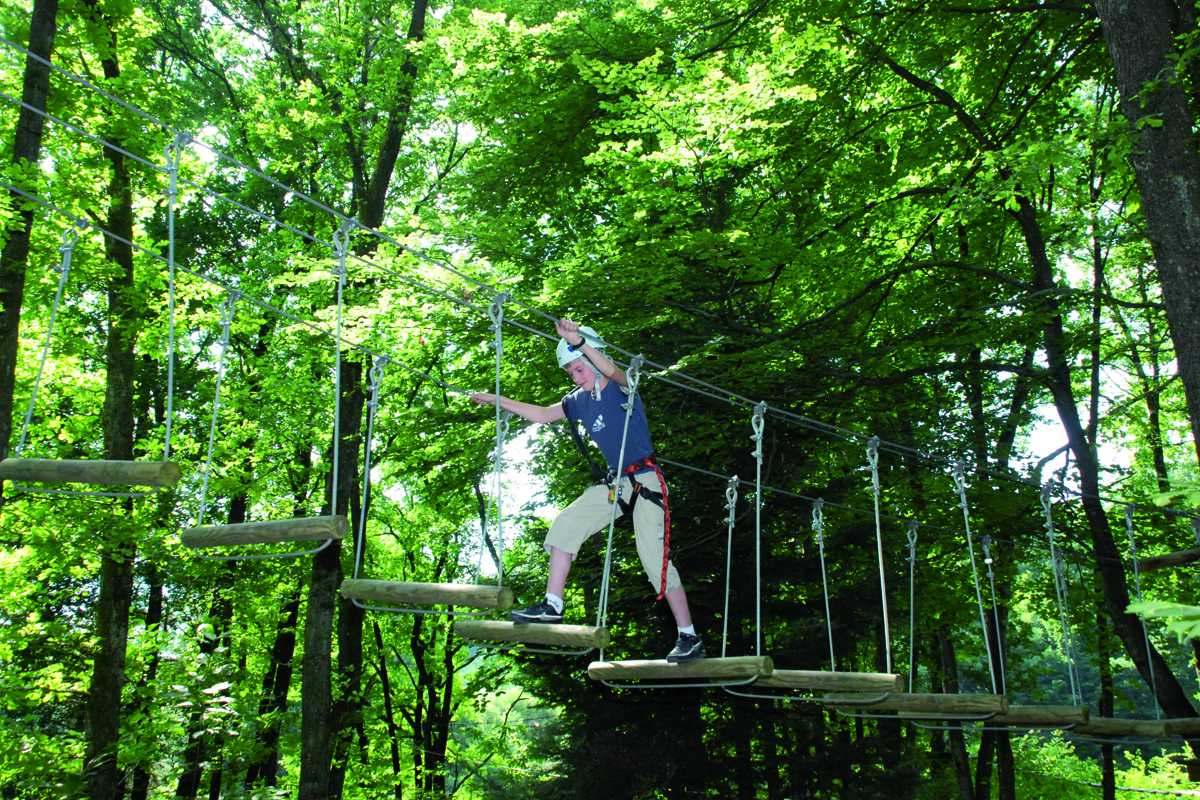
(432, 594)
(738, 668)
(299, 529)
(586, 637)
(160, 474)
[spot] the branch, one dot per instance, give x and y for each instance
(751, 14)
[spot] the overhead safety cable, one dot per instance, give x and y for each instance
(724, 395)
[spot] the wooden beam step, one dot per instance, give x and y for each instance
(1107, 726)
(1170, 559)
(298, 529)
(832, 681)
(1187, 727)
(532, 633)
(711, 668)
(925, 704)
(1034, 716)
(428, 594)
(96, 473)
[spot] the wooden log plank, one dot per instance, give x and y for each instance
(1107, 726)
(1170, 559)
(711, 668)
(428, 594)
(96, 473)
(832, 681)
(525, 633)
(1187, 727)
(925, 704)
(1033, 716)
(299, 529)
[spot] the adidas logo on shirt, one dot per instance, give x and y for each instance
(598, 425)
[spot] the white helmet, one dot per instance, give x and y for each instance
(567, 353)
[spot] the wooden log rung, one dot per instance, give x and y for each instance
(299, 529)
(95, 473)
(813, 680)
(488, 630)
(1042, 716)
(428, 594)
(1187, 727)
(918, 705)
(721, 669)
(1170, 559)
(1108, 726)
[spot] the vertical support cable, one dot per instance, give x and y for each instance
(227, 311)
(818, 521)
(1060, 590)
(731, 496)
(633, 376)
(495, 313)
(960, 481)
(912, 606)
(873, 459)
(70, 237)
(376, 377)
(174, 154)
(341, 246)
(758, 422)
(1137, 582)
(988, 561)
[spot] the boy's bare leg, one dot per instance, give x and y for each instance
(560, 567)
(677, 600)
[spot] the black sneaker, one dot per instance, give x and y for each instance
(542, 612)
(688, 648)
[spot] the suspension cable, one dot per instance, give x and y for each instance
(1137, 581)
(731, 496)
(818, 522)
(960, 482)
(988, 561)
(633, 376)
(757, 423)
(1060, 590)
(376, 380)
(912, 604)
(228, 308)
(873, 459)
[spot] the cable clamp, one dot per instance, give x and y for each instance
(818, 519)
(912, 541)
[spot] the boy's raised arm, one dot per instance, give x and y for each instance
(569, 330)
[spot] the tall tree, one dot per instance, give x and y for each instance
(27, 146)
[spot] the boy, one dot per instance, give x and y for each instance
(602, 388)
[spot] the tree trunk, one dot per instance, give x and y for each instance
(27, 147)
(105, 780)
(1108, 774)
(319, 779)
(1144, 56)
(958, 743)
(154, 617)
(388, 712)
(277, 680)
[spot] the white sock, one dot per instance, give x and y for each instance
(690, 630)
(555, 601)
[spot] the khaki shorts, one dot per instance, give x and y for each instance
(591, 512)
